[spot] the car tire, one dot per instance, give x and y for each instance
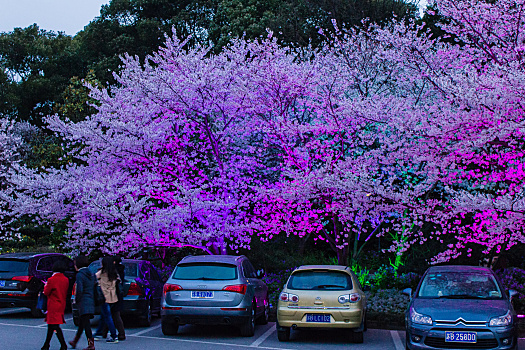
(357, 337)
(145, 321)
(248, 329)
(283, 334)
(263, 319)
(169, 328)
(36, 313)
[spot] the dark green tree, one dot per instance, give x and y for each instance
(35, 67)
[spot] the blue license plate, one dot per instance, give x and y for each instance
(200, 294)
(2, 283)
(317, 318)
(461, 337)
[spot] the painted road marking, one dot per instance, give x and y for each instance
(397, 340)
(263, 337)
(13, 310)
(146, 330)
(231, 345)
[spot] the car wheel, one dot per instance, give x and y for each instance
(248, 329)
(169, 328)
(263, 319)
(36, 313)
(146, 319)
(283, 334)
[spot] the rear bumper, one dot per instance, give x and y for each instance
(206, 315)
(17, 299)
(344, 318)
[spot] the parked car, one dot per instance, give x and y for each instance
(460, 307)
(322, 296)
(22, 277)
(142, 290)
(215, 289)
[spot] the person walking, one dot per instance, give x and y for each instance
(55, 290)
(108, 278)
(117, 307)
(85, 301)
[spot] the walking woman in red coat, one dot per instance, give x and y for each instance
(56, 292)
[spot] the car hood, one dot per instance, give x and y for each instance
(466, 309)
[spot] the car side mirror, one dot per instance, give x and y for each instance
(260, 273)
(512, 293)
(407, 292)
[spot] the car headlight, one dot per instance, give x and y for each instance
(418, 318)
(504, 320)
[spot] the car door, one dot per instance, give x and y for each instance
(44, 267)
(157, 286)
(251, 275)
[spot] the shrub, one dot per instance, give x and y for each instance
(514, 278)
(275, 282)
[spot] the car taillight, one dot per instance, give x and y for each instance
(171, 288)
(22, 278)
(74, 290)
(134, 289)
(289, 297)
(349, 298)
(236, 288)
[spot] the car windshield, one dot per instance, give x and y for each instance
(13, 265)
(320, 280)
(130, 268)
(460, 285)
(205, 271)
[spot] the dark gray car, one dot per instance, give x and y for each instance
(214, 289)
(460, 307)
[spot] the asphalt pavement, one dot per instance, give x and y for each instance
(19, 331)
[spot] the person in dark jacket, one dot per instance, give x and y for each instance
(85, 301)
(56, 291)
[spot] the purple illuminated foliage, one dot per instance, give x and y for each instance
(383, 129)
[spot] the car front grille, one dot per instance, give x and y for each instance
(440, 343)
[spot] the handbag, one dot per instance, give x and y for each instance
(98, 296)
(41, 303)
(120, 292)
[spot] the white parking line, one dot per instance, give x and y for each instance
(146, 330)
(263, 337)
(397, 340)
(13, 310)
(212, 343)
(231, 345)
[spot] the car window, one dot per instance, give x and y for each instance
(13, 265)
(45, 264)
(248, 269)
(69, 263)
(205, 271)
(470, 285)
(131, 269)
(320, 280)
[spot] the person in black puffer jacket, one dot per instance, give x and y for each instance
(85, 301)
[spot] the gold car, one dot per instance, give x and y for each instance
(322, 296)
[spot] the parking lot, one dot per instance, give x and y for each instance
(19, 331)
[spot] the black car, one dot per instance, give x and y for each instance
(460, 307)
(22, 277)
(142, 290)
